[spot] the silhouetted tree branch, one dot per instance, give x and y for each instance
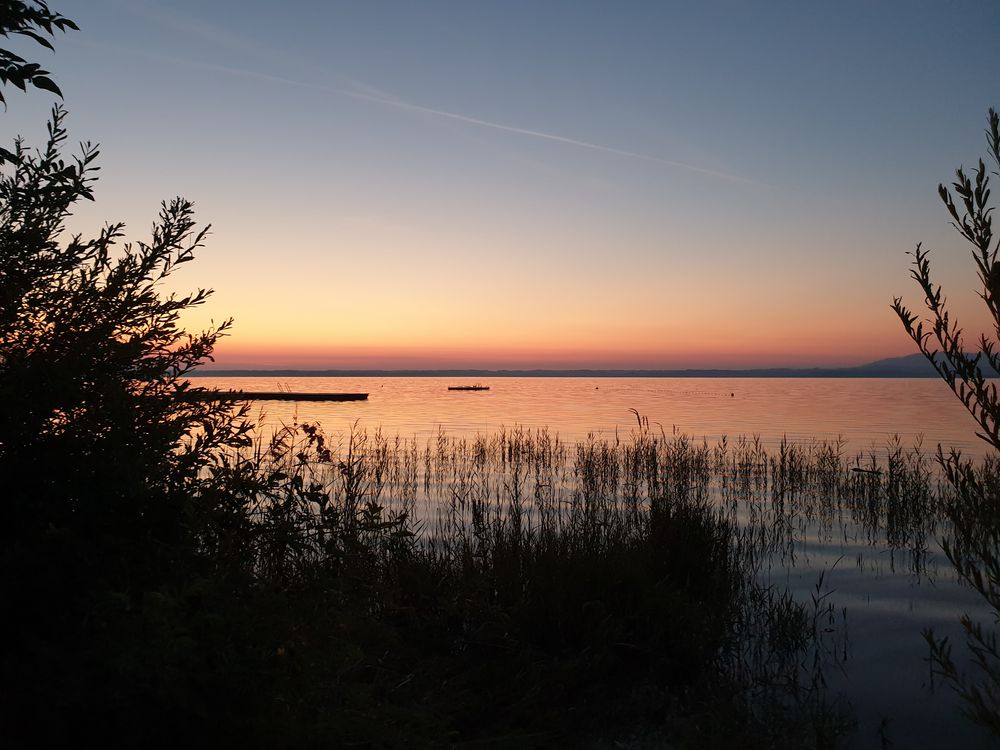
(98, 433)
(973, 546)
(34, 21)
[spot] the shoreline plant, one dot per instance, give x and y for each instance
(973, 546)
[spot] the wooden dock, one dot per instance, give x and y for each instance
(275, 396)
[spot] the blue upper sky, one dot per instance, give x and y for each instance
(538, 184)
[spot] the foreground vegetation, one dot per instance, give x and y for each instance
(509, 590)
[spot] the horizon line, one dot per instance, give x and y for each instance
(905, 366)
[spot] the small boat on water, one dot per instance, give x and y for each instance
(476, 387)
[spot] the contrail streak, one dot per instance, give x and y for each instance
(531, 133)
(388, 101)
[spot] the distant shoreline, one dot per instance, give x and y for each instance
(911, 366)
(552, 374)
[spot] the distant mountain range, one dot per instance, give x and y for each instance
(910, 366)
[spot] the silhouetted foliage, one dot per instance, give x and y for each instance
(32, 20)
(974, 545)
(102, 452)
(93, 360)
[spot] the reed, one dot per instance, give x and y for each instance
(521, 590)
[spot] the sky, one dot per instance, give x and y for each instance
(650, 185)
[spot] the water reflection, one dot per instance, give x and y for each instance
(866, 412)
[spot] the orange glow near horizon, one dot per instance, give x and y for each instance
(233, 354)
(454, 296)
(562, 332)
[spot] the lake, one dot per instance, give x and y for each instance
(884, 602)
(865, 412)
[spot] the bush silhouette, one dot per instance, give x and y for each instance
(103, 443)
(94, 359)
(974, 544)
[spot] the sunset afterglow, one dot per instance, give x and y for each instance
(562, 185)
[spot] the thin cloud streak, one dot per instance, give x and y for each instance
(378, 98)
(408, 106)
(535, 134)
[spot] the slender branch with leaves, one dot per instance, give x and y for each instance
(32, 21)
(973, 545)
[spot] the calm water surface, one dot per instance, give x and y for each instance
(885, 675)
(865, 412)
